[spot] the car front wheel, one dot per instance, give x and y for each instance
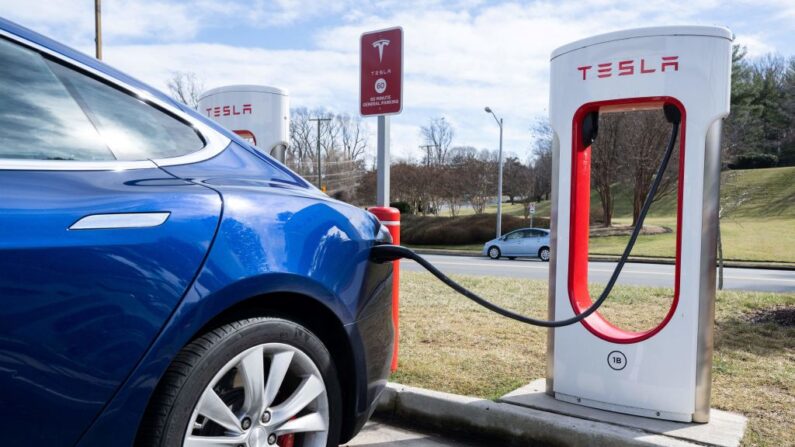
(544, 254)
(255, 382)
(494, 252)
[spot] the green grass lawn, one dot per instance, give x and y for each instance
(771, 239)
(758, 225)
(450, 344)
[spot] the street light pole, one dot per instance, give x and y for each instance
(499, 175)
(319, 176)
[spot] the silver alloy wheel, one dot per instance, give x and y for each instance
(287, 398)
(494, 252)
(544, 255)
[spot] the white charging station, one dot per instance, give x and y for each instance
(257, 113)
(664, 372)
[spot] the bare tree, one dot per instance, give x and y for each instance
(354, 136)
(410, 184)
(301, 151)
(186, 87)
(451, 181)
(365, 189)
(480, 180)
(643, 137)
(513, 178)
(460, 153)
(541, 161)
(343, 147)
(606, 161)
(330, 136)
(438, 135)
(527, 190)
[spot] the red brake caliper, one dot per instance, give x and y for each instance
(286, 440)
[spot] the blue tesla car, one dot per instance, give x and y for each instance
(162, 283)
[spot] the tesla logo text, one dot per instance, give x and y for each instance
(630, 67)
(380, 44)
(244, 109)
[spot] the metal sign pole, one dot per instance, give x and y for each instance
(382, 182)
(499, 187)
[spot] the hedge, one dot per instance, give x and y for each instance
(472, 229)
(753, 161)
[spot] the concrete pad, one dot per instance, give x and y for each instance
(725, 429)
(508, 424)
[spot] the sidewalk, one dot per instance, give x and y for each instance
(380, 433)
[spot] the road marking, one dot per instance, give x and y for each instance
(501, 264)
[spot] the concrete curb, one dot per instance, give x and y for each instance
(610, 258)
(506, 423)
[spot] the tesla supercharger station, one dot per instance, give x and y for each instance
(257, 113)
(663, 372)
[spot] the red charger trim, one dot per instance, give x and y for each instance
(580, 214)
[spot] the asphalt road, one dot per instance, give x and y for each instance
(656, 275)
(380, 434)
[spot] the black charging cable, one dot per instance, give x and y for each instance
(387, 253)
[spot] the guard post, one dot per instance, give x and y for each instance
(390, 218)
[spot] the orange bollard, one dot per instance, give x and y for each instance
(390, 218)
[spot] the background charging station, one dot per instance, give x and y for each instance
(664, 372)
(259, 114)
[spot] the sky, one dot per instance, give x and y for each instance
(460, 55)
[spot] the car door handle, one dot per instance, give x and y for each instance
(120, 220)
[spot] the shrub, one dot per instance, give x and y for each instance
(460, 230)
(403, 207)
(753, 161)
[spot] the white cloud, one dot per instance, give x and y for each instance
(459, 56)
(755, 45)
(73, 22)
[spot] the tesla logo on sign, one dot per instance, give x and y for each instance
(630, 67)
(381, 75)
(380, 44)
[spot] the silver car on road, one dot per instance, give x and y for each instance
(532, 242)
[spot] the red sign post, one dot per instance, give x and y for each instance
(381, 77)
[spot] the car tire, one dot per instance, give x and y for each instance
(200, 373)
(543, 254)
(494, 252)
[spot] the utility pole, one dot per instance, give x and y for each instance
(98, 27)
(319, 176)
(499, 178)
